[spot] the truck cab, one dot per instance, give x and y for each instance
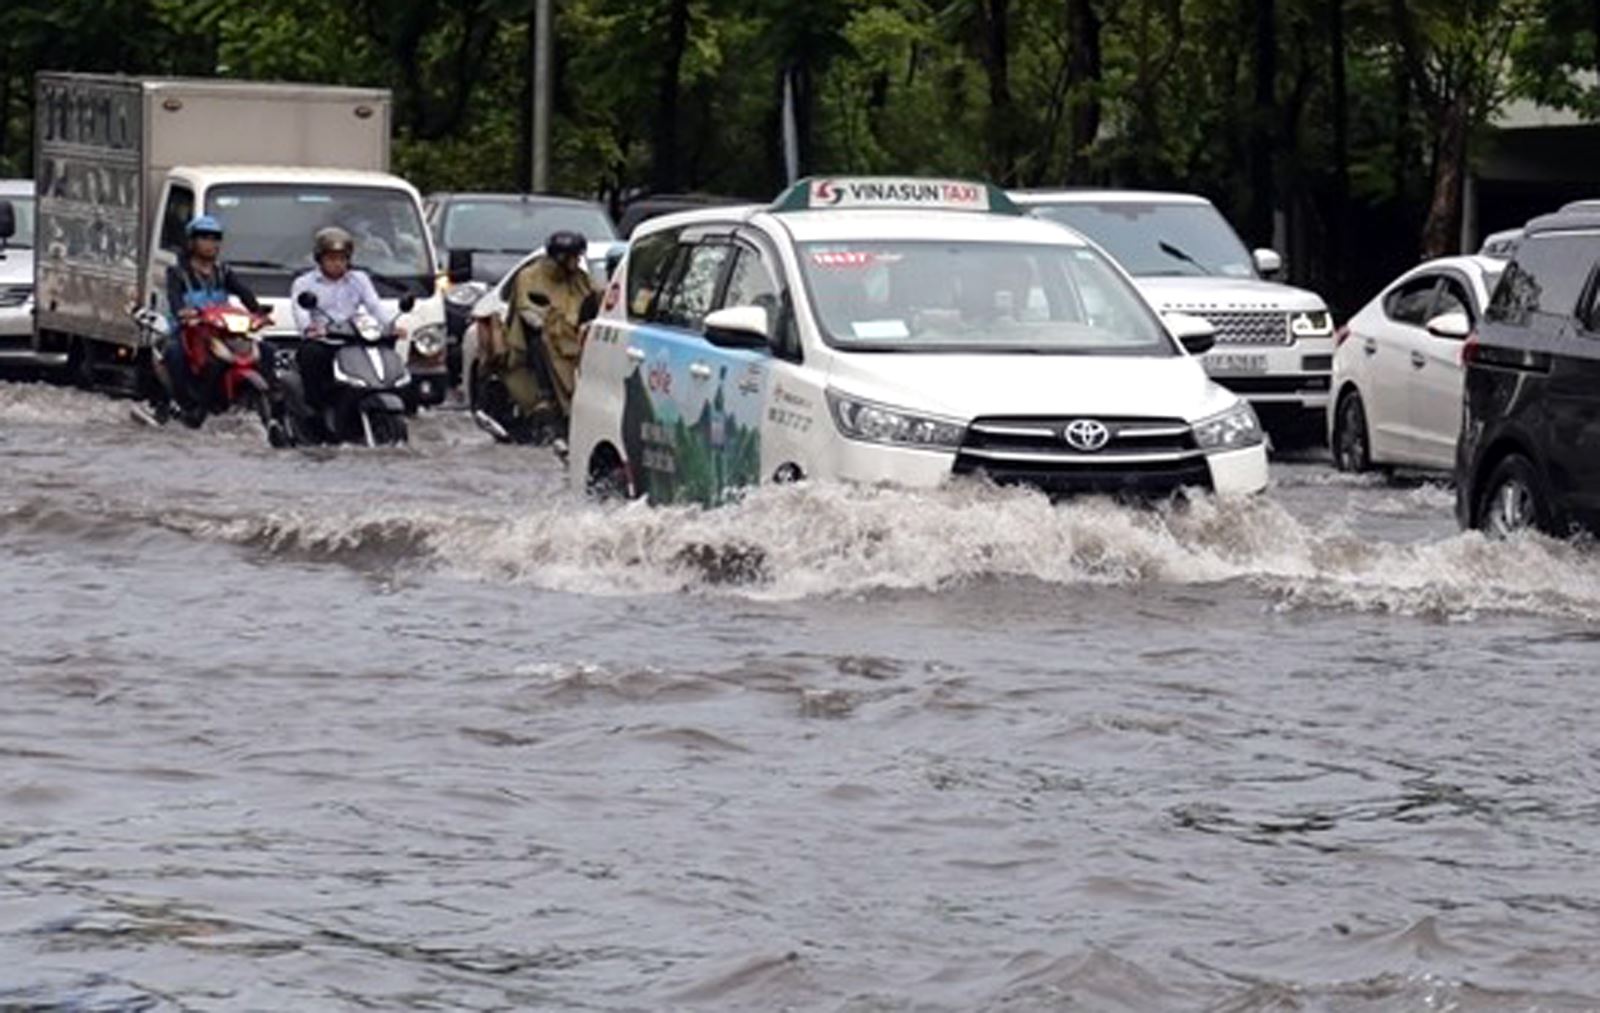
(269, 215)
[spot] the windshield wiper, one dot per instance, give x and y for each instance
(1177, 254)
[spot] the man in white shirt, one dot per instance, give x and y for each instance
(341, 292)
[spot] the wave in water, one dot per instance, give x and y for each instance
(810, 540)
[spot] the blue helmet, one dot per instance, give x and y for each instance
(204, 225)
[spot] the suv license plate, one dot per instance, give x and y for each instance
(1234, 363)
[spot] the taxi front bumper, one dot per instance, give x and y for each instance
(1227, 473)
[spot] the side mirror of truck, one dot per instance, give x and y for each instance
(307, 300)
(460, 266)
(407, 303)
(8, 221)
(1197, 335)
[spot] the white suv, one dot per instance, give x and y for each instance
(900, 330)
(1274, 342)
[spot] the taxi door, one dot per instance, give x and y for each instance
(680, 419)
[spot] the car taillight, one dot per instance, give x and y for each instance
(1340, 335)
(1469, 349)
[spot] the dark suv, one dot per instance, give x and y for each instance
(1529, 452)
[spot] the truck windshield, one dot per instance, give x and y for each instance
(1150, 238)
(269, 229)
(518, 226)
(977, 297)
(22, 206)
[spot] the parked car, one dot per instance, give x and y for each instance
(16, 280)
(1397, 367)
(641, 209)
(1529, 451)
(481, 237)
(1274, 342)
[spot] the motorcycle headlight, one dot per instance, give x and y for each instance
(1233, 429)
(466, 294)
(428, 341)
(1316, 324)
(875, 423)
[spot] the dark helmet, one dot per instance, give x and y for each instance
(332, 240)
(565, 243)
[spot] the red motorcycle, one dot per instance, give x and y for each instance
(222, 352)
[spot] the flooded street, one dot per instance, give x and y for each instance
(422, 729)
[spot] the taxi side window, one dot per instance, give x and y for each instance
(688, 296)
(1453, 299)
(649, 261)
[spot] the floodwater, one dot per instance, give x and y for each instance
(420, 729)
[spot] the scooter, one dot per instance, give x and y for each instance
(222, 356)
(367, 405)
(497, 414)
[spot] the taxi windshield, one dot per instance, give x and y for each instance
(962, 296)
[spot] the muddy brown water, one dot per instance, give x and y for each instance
(419, 729)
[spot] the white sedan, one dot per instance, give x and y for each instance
(1397, 367)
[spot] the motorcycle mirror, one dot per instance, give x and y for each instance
(460, 266)
(407, 303)
(307, 300)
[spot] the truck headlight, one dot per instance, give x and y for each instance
(876, 423)
(428, 342)
(1316, 324)
(1232, 429)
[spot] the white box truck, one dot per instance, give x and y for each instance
(123, 163)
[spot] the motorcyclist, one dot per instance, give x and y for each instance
(544, 341)
(341, 292)
(199, 279)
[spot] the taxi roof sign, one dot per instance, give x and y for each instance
(861, 193)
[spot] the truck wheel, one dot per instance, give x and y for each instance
(1514, 500)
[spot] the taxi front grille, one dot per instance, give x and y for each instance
(1244, 327)
(1141, 456)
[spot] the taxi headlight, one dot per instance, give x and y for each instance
(428, 341)
(876, 423)
(1317, 324)
(1232, 429)
(466, 294)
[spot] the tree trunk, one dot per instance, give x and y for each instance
(664, 171)
(1441, 234)
(1083, 77)
(1339, 102)
(1002, 117)
(530, 47)
(1263, 199)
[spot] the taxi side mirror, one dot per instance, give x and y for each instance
(1456, 326)
(1197, 335)
(738, 327)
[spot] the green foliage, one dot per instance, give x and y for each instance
(906, 86)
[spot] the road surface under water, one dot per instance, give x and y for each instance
(421, 729)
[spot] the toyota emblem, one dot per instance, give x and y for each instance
(1086, 435)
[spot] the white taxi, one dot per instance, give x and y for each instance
(898, 330)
